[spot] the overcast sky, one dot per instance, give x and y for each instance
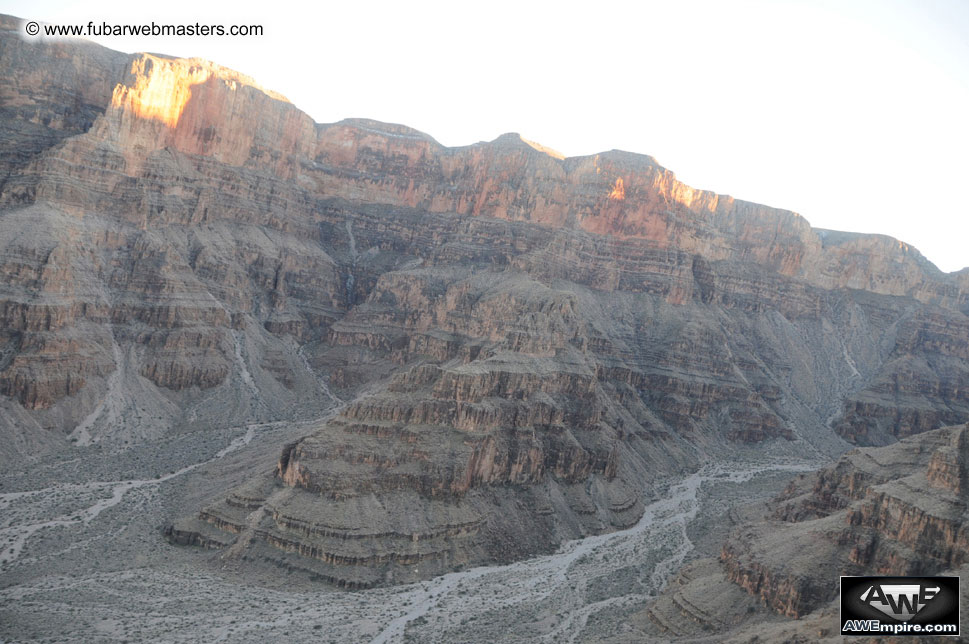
(854, 113)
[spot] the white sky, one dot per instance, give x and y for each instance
(854, 113)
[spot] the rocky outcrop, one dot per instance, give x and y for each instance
(538, 337)
(897, 510)
(949, 468)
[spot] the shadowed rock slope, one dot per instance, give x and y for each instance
(517, 344)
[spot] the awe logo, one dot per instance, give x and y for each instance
(894, 606)
(901, 601)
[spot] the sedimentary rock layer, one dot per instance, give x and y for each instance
(896, 510)
(524, 341)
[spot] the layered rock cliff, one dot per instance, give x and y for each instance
(523, 341)
(896, 510)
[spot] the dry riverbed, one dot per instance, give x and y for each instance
(83, 560)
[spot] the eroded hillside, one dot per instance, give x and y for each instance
(519, 344)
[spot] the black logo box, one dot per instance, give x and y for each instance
(943, 608)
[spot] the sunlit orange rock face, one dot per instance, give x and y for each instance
(159, 91)
(200, 108)
(619, 192)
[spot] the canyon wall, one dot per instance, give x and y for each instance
(513, 344)
(895, 510)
